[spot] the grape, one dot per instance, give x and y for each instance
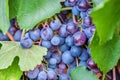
(42, 75)
(73, 64)
(79, 38)
(49, 54)
(62, 66)
(83, 14)
(83, 5)
(67, 57)
(51, 75)
(87, 21)
(62, 31)
(46, 33)
(55, 40)
(62, 40)
(91, 64)
(52, 62)
(75, 10)
(12, 30)
(69, 41)
(60, 71)
(53, 49)
(33, 73)
(63, 47)
(55, 25)
(84, 56)
(35, 34)
(46, 43)
(3, 37)
(57, 57)
(83, 63)
(71, 28)
(89, 31)
(72, 2)
(17, 35)
(75, 51)
(26, 42)
(27, 35)
(64, 77)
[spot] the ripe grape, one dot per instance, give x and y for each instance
(46, 33)
(46, 43)
(55, 40)
(69, 41)
(35, 34)
(79, 38)
(17, 35)
(42, 75)
(67, 57)
(55, 25)
(26, 42)
(33, 73)
(75, 51)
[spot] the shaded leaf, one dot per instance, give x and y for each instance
(107, 55)
(13, 72)
(81, 72)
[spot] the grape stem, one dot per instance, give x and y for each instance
(66, 8)
(103, 77)
(56, 17)
(10, 36)
(114, 74)
(76, 61)
(23, 33)
(74, 19)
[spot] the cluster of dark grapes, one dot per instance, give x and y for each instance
(67, 43)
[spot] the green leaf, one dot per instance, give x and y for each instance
(4, 15)
(28, 58)
(81, 73)
(107, 55)
(98, 2)
(13, 72)
(31, 12)
(106, 17)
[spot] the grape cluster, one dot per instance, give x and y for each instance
(66, 43)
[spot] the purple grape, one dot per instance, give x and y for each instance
(55, 40)
(53, 49)
(26, 42)
(62, 40)
(51, 75)
(42, 75)
(84, 56)
(17, 35)
(35, 34)
(72, 28)
(83, 14)
(63, 31)
(49, 54)
(69, 41)
(46, 43)
(46, 33)
(87, 21)
(52, 63)
(63, 48)
(83, 63)
(33, 73)
(55, 25)
(75, 51)
(67, 57)
(62, 66)
(91, 64)
(57, 57)
(64, 77)
(75, 11)
(79, 38)
(83, 5)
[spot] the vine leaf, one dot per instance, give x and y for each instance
(13, 72)
(105, 17)
(107, 55)
(4, 15)
(31, 12)
(28, 58)
(80, 73)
